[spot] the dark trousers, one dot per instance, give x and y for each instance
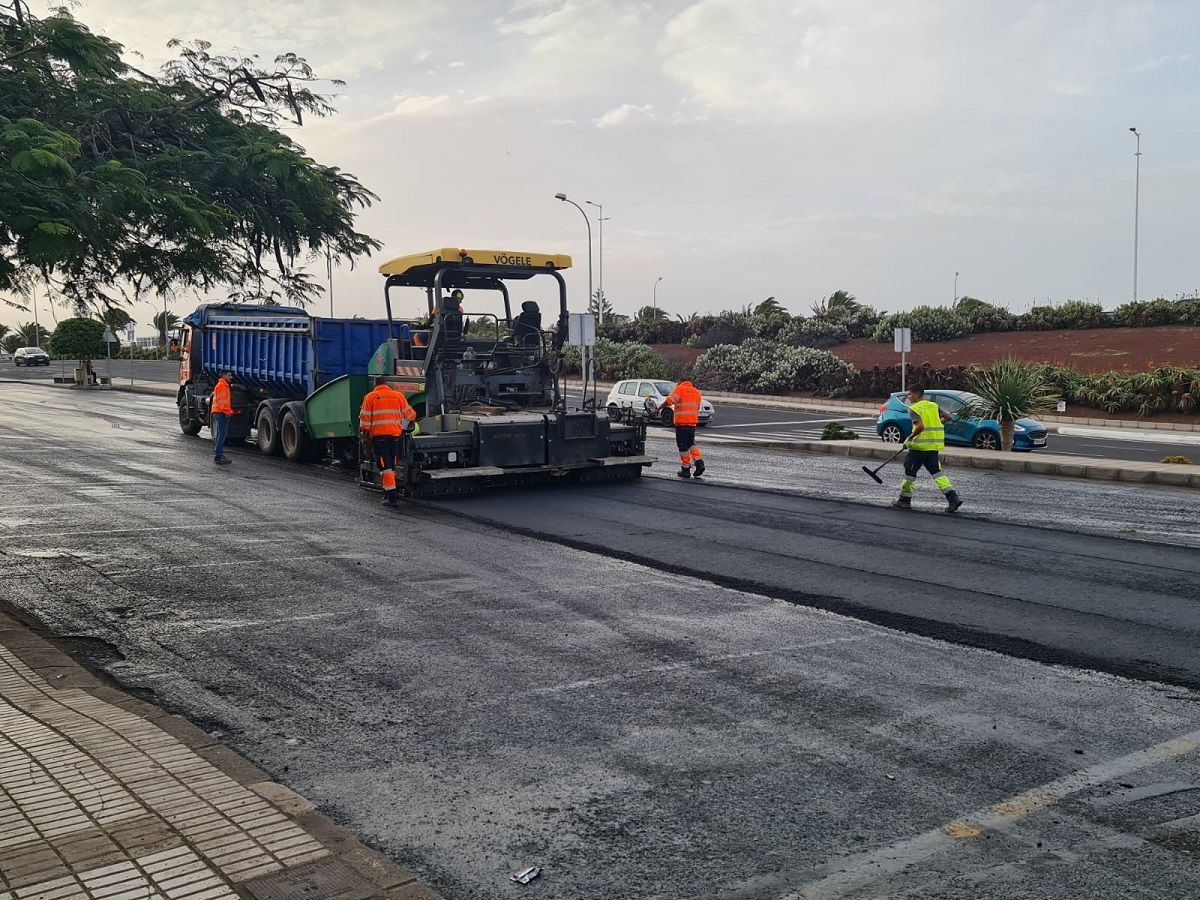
(220, 430)
(387, 456)
(685, 437)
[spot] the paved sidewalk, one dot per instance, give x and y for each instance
(104, 797)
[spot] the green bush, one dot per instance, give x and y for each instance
(764, 367)
(1143, 314)
(1072, 314)
(816, 333)
(615, 361)
(81, 339)
(836, 431)
(984, 317)
(928, 323)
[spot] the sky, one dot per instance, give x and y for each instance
(750, 148)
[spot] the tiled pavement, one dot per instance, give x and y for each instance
(99, 801)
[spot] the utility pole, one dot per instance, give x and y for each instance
(329, 280)
(956, 287)
(1137, 190)
(37, 330)
(600, 298)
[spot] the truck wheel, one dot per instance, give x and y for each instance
(187, 424)
(268, 433)
(294, 439)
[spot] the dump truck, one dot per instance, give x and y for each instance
(488, 388)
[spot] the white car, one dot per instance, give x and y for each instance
(31, 356)
(634, 394)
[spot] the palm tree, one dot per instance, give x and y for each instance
(32, 335)
(116, 319)
(651, 314)
(4, 330)
(1007, 391)
(172, 324)
(769, 308)
(842, 302)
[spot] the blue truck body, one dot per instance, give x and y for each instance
(281, 351)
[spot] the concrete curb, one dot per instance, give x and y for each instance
(388, 880)
(157, 390)
(1022, 463)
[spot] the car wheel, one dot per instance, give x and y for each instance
(986, 440)
(268, 433)
(614, 412)
(667, 416)
(892, 434)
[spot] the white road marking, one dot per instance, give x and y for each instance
(853, 873)
(1191, 438)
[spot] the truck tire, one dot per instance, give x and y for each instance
(268, 432)
(189, 426)
(294, 440)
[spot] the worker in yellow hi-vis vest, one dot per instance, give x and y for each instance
(924, 445)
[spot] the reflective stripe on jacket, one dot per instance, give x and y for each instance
(221, 400)
(384, 412)
(933, 435)
(685, 401)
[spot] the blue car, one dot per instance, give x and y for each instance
(894, 424)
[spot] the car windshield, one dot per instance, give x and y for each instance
(31, 350)
(664, 387)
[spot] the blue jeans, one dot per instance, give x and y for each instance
(220, 430)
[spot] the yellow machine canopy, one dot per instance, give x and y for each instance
(420, 269)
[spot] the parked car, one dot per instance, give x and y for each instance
(634, 393)
(5, 355)
(31, 356)
(894, 424)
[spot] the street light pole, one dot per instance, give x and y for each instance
(37, 330)
(654, 294)
(1137, 190)
(600, 299)
(329, 280)
(956, 287)
(588, 222)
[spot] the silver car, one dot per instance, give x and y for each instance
(31, 356)
(634, 393)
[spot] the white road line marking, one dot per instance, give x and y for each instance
(1131, 434)
(853, 873)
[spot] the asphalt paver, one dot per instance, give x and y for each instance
(473, 699)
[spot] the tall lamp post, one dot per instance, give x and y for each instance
(37, 330)
(329, 279)
(956, 287)
(654, 293)
(563, 198)
(1137, 189)
(600, 282)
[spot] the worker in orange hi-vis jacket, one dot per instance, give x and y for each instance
(219, 413)
(685, 403)
(386, 414)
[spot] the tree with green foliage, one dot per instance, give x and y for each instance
(29, 335)
(114, 181)
(4, 330)
(1010, 390)
(172, 323)
(116, 319)
(769, 308)
(81, 339)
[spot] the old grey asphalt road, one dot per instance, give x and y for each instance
(473, 700)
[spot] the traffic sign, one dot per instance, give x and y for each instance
(110, 338)
(902, 339)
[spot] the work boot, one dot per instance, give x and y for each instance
(903, 503)
(223, 460)
(953, 502)
(699, 468)
(389, 499)
(684, 472)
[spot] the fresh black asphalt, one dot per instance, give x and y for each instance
(474, 699)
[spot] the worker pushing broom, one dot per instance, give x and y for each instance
(924, 446)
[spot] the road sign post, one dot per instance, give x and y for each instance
(581, 332)
(109, 340)
(130, 338)
(902, 341)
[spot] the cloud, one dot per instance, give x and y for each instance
(1170, 59)
(624, 115)
(419, 105)
(457, 64)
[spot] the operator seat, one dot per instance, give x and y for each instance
(527, 327)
